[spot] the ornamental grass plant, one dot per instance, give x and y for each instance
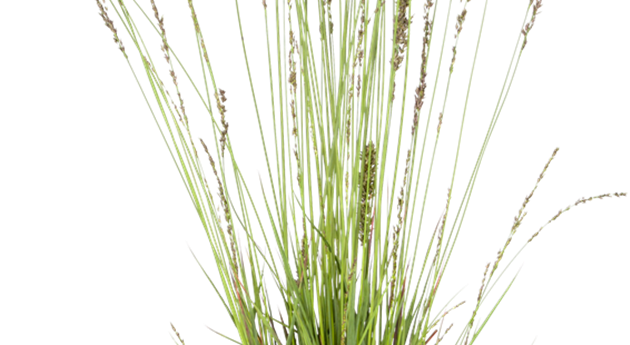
(331, 253)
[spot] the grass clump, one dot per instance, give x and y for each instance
(344, 273)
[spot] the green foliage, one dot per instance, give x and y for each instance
(345, 274)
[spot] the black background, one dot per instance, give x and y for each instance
(566, 93)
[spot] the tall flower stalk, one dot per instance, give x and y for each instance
(330, 296)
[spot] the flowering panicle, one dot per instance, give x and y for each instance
(368, 184)
(167, 56)
(178, 336)
(530, 24)
(580, 201)
(421, 89)
(293, 89)
(401, 34)
(220, 97)
(357, 62)
(226, 210)
(108, 22)
(521, 214)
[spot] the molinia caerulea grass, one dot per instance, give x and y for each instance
(333, 275)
